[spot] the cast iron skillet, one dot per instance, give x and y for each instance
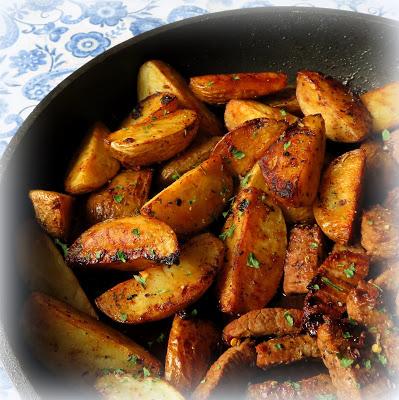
(356, 48)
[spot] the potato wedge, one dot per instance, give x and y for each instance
(156, 141)
(292, 165)
(126, 244)
(159, 292)
(74, 345)
(92, 165)
(122, 197)
(127, 387)
(195, 200)
(383, 106)
(42, 268)
(239, 111)
(347, 119)
(53, 212)
(335, 209)
(157, 76)
(285, 99)
(198, 152)
(153, 107)
(191, 346)
(220, 88)
(256, 240)
(245, 145)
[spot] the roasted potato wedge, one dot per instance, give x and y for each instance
(336, 207)
(256, 240)
(92, 165)
(285, 99)
(383, 106)
(122, 197)
(346, 118)
(156, 141)
(198, 152)
(75, 345)
(53, 212)
(153, 107)
(159, 292)
(191, 346)
(292, 165)
(245, 145)
(127, 244)
(220, 88)
(239, 111)
(195, 200)
(157, 76)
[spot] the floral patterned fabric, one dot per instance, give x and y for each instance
(43, 41)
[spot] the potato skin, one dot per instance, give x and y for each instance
(347, 119)
(127, 244)
(335, 209)
(256, 228)
(285, 99)
(191, 346)
(53, 212)
(122, 197)
(92, 165)
(292, 165)
(163, 291)
(220, 88)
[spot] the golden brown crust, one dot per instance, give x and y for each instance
(285, 99)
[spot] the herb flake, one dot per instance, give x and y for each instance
(386, 135)
(136, 232)
(252, 261)
(121, 256)
(331, 284)
(289, 318)
(228, 233)
(237, 154)
(140, 279)
(118, 198)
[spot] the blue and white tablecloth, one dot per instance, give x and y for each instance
(43, 41)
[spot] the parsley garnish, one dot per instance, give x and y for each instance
(315, 286)
(175, 176)
(210, 83)
(133, 359)
(350, 271)
(386, 135)
(278, 346)
(245, 179)
(252, 261)
(367, 364)
(121, 256)
(225, 213)
(345, 362)
(152, 252)
(160, 338)
(228, 233)
(123, 317)
(136, 232)
(237, 154)
(313, 245)
(118, 198)
(98, 254)
(382, 359)
(346, 335)
(287, 145)
(141, 280)
(295, 385)
(331, 284)
(283, 112)
(289, 318)
(146, 372)
(63, 246)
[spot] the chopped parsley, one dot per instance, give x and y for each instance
(63, 246)
(146, 372)
(225, 214)
(123, 317)
(370, 222)
(228, 233)
(295, 385)
(210, 83)
(382, 359)
(352, 321)
(386, 135)
(136, 232)
(175, 176)
(283, 112)
(140, 279)
(98, 254)
(121, 256)
(313, 245)
(237, 154)
(289, 318)
(345, 362)
(367, 364)
(350, 271)
(133, 359)
(278, 346)
(252, 261)
(160, 338)
(315, 286)
(245, 179)
(331, 284)
(287, 145)
(346, 335)
(152, 253)
(118, 198)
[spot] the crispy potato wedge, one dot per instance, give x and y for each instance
(195, 200)
(42, 268)
(243, 146)
(128, 387)
(127, 244)
(220, 88)
(292, 165)
(157, 76)
(239, 111)
(191, 346)
(198, 152)
(53, 212)
(285, 99)
(347, 119)
(159, 292)
(122, 197)
(335, 209)
(92, 165)
(156, 141)
(256, 240)
(75, 345)
(153, 107)
(383, 106)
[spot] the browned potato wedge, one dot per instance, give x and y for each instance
(347, 119)
(239, 111)
(156, 141)
(285, 99)
(220, 88)
(383, 106)
(157, 76)
(75, 345)
(198, 152)
(354, 248)
(191, 346)
(127, 244)
(92, 166)
(127, 387)
(340, 187)
(153, 107)
(292, 165)
(195, 200)
(42, 268)
(256, 240)
(243, 146)
(159, 292)
(122, 197)
(53, 212)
